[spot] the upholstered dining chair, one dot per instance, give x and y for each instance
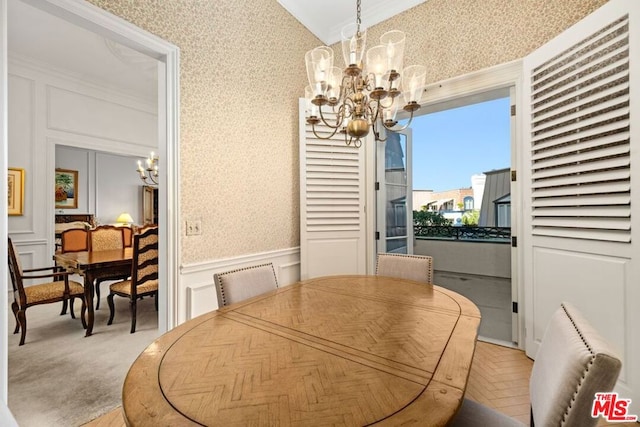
(60, 288)
(144, 275)
(104, 238)
(410, 267)
(243, 283)
(74, 240)
(573, 363)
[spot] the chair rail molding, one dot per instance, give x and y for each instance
(197, 289)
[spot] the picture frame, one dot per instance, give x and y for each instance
(66, 189)
(15, 196)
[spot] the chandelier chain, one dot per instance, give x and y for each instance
(358, 21)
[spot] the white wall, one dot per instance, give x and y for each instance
(456, 256)
(108, 183)
(49, 110)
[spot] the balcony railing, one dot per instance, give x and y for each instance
(463, 232)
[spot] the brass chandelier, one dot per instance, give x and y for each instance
(364, 95)
(149, 173)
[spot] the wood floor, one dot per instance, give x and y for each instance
(499, 378)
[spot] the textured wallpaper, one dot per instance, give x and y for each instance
(242, 70)
(241, 73)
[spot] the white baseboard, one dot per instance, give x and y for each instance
(197, 293)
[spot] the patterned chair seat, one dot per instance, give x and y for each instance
(49, 291)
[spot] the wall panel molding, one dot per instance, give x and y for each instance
(197, 293)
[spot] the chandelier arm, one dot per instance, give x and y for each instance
(339, 119)
(393, 128)
(344, 87)
(313, 128)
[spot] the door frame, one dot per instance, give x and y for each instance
(104, 23)
(381, 193)
(460, 91)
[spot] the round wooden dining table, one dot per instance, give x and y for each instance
(336, 350)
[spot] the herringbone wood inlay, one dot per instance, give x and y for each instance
(348, 350)
(497, 373)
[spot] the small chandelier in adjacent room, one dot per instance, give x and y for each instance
(366, 93)
(149, 172)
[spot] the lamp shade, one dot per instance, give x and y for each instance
(124, 218)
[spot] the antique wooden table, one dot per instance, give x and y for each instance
(94, 265)
(339, 350)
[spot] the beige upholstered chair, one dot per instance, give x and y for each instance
(104, 238)
(410, 267)
(144, 275)
(238, 285)
(60, 288)
(572, 364)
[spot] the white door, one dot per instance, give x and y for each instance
(394, 194)
(580, 227)
(332, 197)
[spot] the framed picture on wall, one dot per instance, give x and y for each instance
(66, 189)
(15, 185)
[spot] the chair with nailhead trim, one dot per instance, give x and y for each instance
(573, 363)
(243, 283)
(403, 266)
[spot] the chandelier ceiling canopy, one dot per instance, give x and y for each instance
(367, 93)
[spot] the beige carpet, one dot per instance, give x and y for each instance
(59, 377)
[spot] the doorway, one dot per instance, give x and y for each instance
(461, 196)
(100, 22)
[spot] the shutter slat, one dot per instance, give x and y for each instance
(582, 134)
(622, 137)
(577, 167)
(622, 211)
(585, 188)
(587, 200)
(596, 223)
(621, 236)
(580, 179)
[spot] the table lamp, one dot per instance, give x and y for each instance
(124, 218)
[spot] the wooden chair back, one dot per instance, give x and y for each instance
(15, 271)
(74, 240)
(128, 236)
(106, 237)
(238, 285)
(144, 271)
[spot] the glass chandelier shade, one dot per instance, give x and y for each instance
(365, 94)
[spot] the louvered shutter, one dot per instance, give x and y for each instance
(580, 145)
(332, 218)
(580, 170)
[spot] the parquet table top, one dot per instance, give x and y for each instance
(340, 350)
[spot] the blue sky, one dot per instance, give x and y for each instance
(450, 146)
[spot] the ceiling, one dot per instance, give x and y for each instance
(45, 40)
(326, 18)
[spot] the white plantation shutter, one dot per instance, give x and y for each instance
(581, 180)
(332, 221)
(580, 233)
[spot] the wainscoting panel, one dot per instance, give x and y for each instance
(197, 292)
(595, 284)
